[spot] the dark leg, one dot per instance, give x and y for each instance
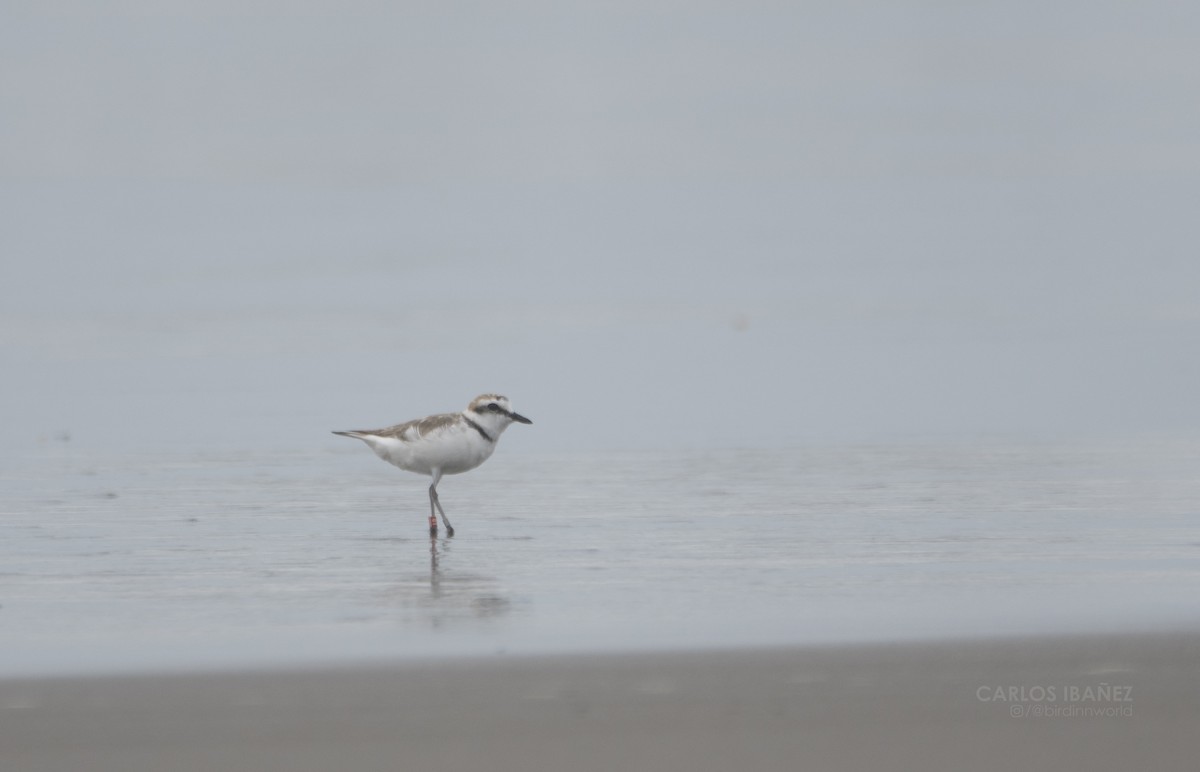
(433, 498)
(434, 503)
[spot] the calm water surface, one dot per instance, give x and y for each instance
(209, 558)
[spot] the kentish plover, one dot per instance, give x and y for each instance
(447, 443)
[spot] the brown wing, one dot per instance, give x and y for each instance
(417, 428)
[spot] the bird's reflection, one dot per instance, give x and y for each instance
(452, 593)
(435, 573)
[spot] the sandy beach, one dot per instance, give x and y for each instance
(1095, 702)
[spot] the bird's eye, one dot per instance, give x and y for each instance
(494, 407)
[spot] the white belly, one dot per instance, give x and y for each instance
(452, 452)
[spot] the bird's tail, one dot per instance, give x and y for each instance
(355, 433)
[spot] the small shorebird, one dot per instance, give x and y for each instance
(446, 443)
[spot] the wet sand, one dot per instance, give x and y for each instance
(1096, 703)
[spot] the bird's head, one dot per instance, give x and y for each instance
(494, 411)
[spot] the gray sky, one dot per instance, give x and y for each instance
(709, 223)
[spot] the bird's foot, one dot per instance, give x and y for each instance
(433, 526)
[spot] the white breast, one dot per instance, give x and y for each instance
(453, 449)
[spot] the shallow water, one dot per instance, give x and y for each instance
(201, 559)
